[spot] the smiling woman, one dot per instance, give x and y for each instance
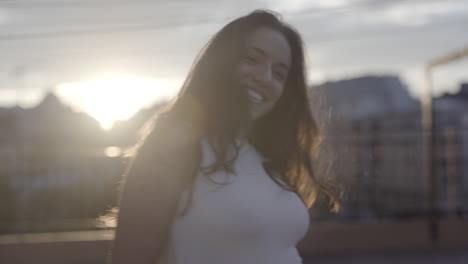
(115, 99)
(224, 173)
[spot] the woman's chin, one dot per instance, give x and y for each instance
(256, 114)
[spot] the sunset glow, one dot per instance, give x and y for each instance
(115, 99)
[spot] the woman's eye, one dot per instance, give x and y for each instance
(279, 75)
(251, 60)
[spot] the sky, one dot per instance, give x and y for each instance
(132, 53)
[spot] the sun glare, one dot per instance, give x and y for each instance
(115, 99)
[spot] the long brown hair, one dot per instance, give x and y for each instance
(287, 137)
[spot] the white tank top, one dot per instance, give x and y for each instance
(248, 220)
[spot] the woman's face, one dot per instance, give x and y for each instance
(264, 68)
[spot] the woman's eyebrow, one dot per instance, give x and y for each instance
(258, 50)
(284, 66)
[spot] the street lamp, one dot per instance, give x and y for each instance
(429, 138)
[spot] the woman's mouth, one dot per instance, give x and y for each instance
(255, 96)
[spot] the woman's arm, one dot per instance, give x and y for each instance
(151, 192)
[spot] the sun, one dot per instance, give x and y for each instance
(114, 99)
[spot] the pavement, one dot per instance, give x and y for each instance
(326, 243)
(442, 256)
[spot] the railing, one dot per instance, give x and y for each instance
(59, 190)
(380, 172)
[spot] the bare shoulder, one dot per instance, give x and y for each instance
(173, 134)
(158, 173)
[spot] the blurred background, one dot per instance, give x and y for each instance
(78, 78)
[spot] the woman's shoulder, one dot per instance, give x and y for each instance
(173, 134)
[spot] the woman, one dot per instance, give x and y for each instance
(224, 174)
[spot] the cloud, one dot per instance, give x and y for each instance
(413, 12)
(300, 5)
(5, 16)
(343, 37)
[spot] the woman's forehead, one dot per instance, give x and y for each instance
(271, 43)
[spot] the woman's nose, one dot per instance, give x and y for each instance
(263, 74)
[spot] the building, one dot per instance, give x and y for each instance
(373, 146)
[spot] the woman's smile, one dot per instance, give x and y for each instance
(255, 96)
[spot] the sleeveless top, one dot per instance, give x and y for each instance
(245, 217)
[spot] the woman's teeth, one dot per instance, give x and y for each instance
(254, 96)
